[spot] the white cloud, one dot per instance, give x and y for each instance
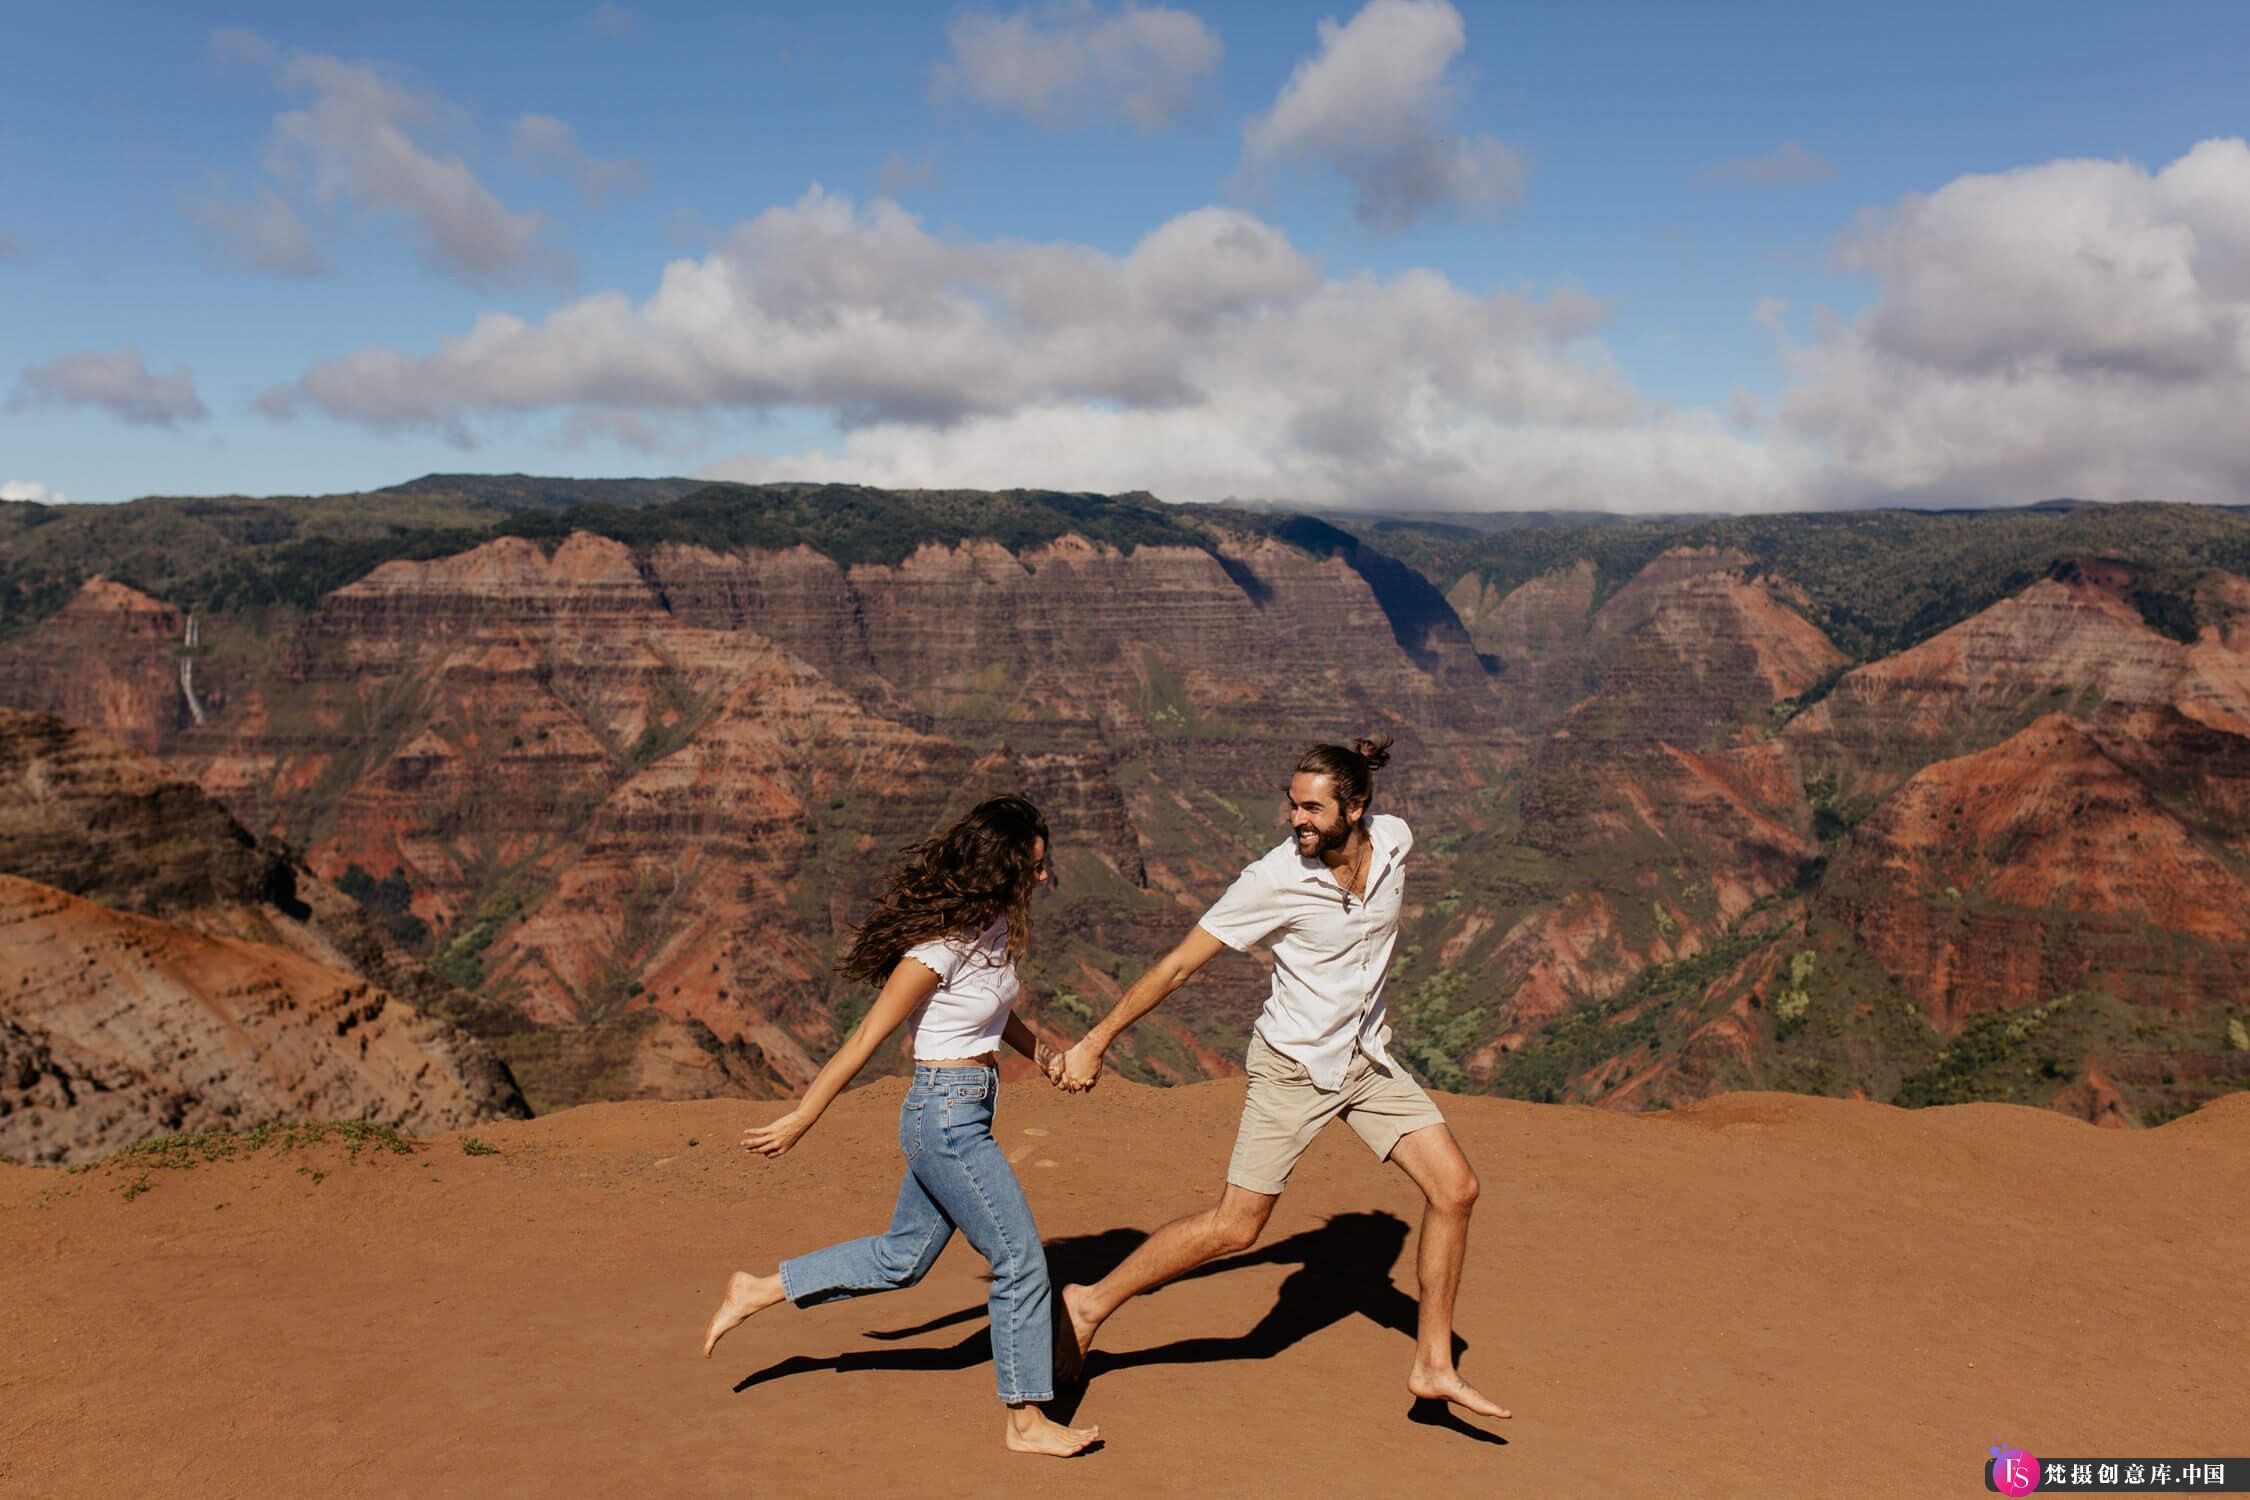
(1373, 105)
(2074, 328)
(546, 144)
(1249, 447)
(594, 424)
(32, 490)
(120, 384)
(354, 148)
(1212, 359)
(611, 21)
(1787, 165)
(902, 174)
(1072, 63)
(264, 232)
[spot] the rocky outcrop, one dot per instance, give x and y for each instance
(1537, 632)
(1697, 649)
(84, 813)
(1658, 800)
(1141, 643)
(164, 970)
(2072, 643)
(1700, 643)
(115, 1028)
(109, 659)
(2002, 879)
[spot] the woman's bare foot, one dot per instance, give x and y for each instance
(1449, 1386)
(1030, 1430)
(746, 1295)
(1074, 1335)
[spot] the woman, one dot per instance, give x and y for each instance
(943, 943)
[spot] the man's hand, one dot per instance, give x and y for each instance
(775, 1138)
(1081, 1067)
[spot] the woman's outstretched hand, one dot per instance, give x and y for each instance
(776, 1136)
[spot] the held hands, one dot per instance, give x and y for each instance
(1049, 1061)
(776, 1137)
(1080, 1068)
(1069, 1071)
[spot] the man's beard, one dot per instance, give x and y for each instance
(1329, 840)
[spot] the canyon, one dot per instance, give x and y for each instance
(617, 784)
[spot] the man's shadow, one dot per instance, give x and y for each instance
(1344, 1267)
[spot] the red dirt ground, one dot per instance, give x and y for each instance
(1762, 1294)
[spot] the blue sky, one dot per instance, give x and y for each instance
(1656, 256)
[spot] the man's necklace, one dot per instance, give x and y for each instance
(1359, 873)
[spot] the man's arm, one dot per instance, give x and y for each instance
(1082, 1064)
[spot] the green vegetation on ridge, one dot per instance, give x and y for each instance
(854, 524)
(239, 554)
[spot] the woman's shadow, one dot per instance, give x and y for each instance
(1344, 1267)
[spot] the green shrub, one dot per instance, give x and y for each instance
(1982, 1063)
(390, 899)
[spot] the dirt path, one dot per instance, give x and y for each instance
(1762, 1295)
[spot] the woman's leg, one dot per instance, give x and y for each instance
(900, 1256)
(971, 1180)
(996, 1218)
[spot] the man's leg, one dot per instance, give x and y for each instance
(1229, 1228)
(1433, 1159)
(1281, 1113)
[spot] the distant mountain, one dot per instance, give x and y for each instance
(1875, 581)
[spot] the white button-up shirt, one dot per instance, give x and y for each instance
(1330, 949)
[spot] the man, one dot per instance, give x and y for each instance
(1329, 899)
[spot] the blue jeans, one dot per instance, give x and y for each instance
(956, 1178)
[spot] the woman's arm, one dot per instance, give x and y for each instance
(1026, 1041)
(910, 984)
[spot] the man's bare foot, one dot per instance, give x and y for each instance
(746, 1295)
(1074, 1335)
(1449, 1386)
(1030, 1430)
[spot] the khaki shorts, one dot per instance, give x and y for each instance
(1284, 1112)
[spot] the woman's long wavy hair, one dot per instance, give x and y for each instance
(956, 885)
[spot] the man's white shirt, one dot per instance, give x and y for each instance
(1331, 949)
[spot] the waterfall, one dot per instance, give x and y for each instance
(187, 669)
